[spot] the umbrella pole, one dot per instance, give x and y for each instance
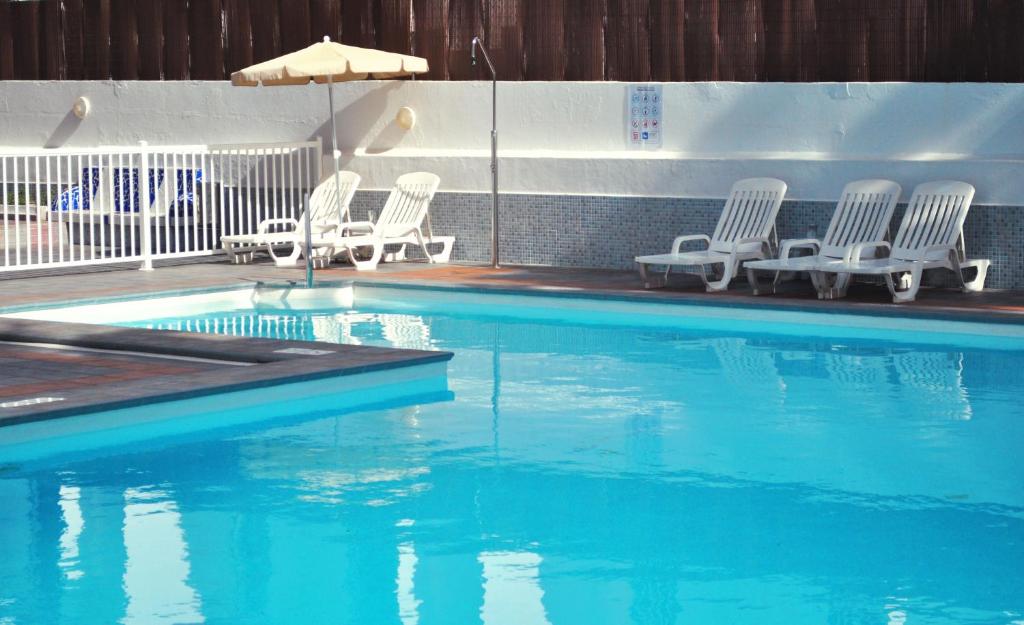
(334, 150)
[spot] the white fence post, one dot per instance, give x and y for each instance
(145, 229)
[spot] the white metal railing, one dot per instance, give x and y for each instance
(86, 206)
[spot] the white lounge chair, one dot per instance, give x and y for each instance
(742, 233)
(271, 233)
(930, 237)
(862, 214)
(401, 222)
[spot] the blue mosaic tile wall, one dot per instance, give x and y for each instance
(609, 231)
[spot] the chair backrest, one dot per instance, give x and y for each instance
(326, 197)
(407, 204)
(935, 216)
(862, 214)
(749, 212)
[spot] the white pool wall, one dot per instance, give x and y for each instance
(569, 137)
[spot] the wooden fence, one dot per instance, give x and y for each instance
(630, 40)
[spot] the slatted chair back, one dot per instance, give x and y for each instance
(749, 213)
(333, 191)
(407, 205)
(863, 214)
(935, 216)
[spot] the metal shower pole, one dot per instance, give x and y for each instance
(494, 146)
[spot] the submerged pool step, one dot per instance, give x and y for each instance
(86, 368)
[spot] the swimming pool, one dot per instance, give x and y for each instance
(601, 462)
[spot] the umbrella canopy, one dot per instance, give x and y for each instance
(328, 61)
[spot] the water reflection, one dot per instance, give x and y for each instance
(71, 513)
(156, 569)
(512, 592)
(640, 476)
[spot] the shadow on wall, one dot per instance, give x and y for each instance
(64, 130)
(366, 109)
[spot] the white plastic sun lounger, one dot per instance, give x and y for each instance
(930, 237)
(401, 222)
(862, 214)
(323, 206)
(742, 233)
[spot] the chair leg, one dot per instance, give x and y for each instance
(447, 244)
(755, 285)
(423, 246)
(285, 261)
(910, 293)
(395, 257)
(237, 253)
(830, 287)
(650, 283)
(721, 283)
(369, 264)
(977, 284)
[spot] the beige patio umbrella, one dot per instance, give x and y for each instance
(329, 62)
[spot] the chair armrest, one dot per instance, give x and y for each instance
(738, 242)
(855, 251)
(283, 221)
(678, 243)
(350, 228)
(949, 249)
(790, 244)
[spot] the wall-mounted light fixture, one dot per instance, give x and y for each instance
(81, 107)
(406, 118)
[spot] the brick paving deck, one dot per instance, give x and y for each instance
(107, 282)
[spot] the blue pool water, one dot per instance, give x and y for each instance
(585, 473)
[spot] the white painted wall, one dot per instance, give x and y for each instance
(570, 137)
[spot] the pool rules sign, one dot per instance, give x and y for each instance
(644, 116)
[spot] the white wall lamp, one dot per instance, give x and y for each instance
(406, 118)
(81, 107)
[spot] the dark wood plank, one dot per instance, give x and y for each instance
(266, 30)
(26, 40)
(852, 17)
(668, 59)
(358, 23)
(149, 16)
(831, 47)
(72, 22)
(782, 48)
(431, 37)
(741, 41)
(51, 51)
(628, 41)
(295, 26)
(544, 42)
(503, 26)
(96, 31)
(206, 40)
(6, 41)
(465, 21)
(238, 38)
(914, 60)
(700, 37)
(394, 32)
(124, 40)
(325, 19)
(585, 39)
(176, 40)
